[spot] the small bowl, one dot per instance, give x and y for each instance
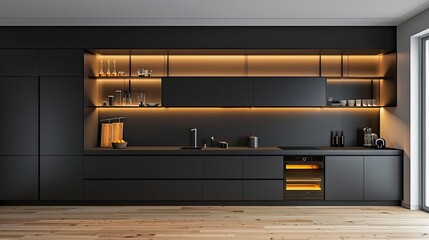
(119, 145)
(350, 103)
(152, 104)
(343, 103)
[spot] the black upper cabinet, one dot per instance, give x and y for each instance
(61, 62)
(191, 92)
(61, 115)
(19, 120)
(61, 178)
(289, 92)
(237, 92)
(207, 91)
(19, 62)
(19, 178)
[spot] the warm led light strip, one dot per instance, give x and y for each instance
(305, 180)
(302, 166)
(301, 187)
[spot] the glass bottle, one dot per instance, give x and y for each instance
(118, 97)
(114, 69)
(108, 69)
(101, 73)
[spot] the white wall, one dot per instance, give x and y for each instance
(397, 124)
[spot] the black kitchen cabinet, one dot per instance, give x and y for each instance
(123, 190)
(237, 92)
(223, 167)
(207, 92)
(223, 190)
(344, 178)
(263, 167)
(61, 178)
(289, 91)
(177, 190)
(19, 122)
(19, 178)
(263, 190)
(183, 167)
(61, 62)
(19, 62)
(103, 167)
(144, 167)
(61, 116)
(383, 178)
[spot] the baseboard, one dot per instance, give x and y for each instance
(411, 207)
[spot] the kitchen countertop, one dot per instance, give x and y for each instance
(175, 150)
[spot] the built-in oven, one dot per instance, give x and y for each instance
(304, 178)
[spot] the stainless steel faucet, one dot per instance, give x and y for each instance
(194, 133)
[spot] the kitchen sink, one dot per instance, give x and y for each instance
(299, 148)
(191, 148)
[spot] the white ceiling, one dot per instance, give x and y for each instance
(208, 12)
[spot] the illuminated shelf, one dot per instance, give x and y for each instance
(356, 77)
(113, 107)
(291, 107)
(127, 77)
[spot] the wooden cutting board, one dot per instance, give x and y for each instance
(111, 132)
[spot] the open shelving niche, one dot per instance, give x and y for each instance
(349, 75)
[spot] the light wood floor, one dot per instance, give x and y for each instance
(142, 222)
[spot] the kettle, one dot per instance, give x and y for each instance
(380, 143)
(253, 141)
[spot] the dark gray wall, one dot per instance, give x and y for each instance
(274, 126)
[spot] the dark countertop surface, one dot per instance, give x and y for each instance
(175, 150)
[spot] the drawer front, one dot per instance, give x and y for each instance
(183, 167)
(223, 167)
(263, 190)
(103, 167)
(143, 167)
(105, 190)
(263, 167)
(223, 190)
(183, 190)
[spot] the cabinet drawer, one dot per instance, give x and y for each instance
(105, 190)
(143, 167)
(183, 167)
(263, 190)
(103, 167)
(263, 167)
(223, 190)
(183, 190)
(219, 167)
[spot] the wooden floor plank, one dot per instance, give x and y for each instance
(211, 222)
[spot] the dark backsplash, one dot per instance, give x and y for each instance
(274, 126)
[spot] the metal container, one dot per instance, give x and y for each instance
(253, 141)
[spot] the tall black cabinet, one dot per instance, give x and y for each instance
(61, 124)
(19, 125)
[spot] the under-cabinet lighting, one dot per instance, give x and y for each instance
(303, 187)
